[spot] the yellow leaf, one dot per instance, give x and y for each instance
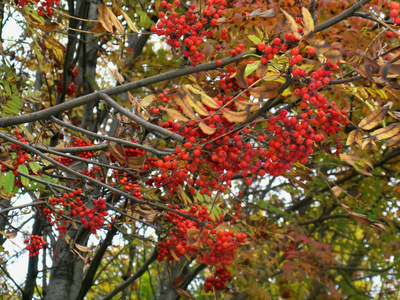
(354, 138)
(114, 20)
(292, 23)
(207, 129)
(187, 110)
(207, 100)
(233, 116)
(387, 132)
(198, 107)
(146, 101)
(374, 118)
(128, 21)
(369, 144)
(104, 17)
(55, 46)
(174, 114)
(308, 21)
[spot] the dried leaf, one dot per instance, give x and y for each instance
(387, 132)
(265, 92)
(294, 181)
(117, 155)
(118, 76)
(175, 115)
(333, 55)
(263, 14)
(175, 256)
(47, 27)
(55, 46)
(128, 21)
(308, 21)
(67, 239)
(374, 118)
(198, 107)
(136, 162)
(207, 100)
(262, 70)
(82, 248)
(240, 74)
(369, 144)
(114, 20)
(393, 142)
(179, 99)
(207, 129)
(337, 191)
(233, 116)
(191, 235)
(292, 23)
(364, 220)
(5, 196)
(104, 17)
(178, 281)
(222, 227)
(354, 138)
(247, 105)
(184, 294)
(11, 235)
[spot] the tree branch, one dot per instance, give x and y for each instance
(344, 15)
(135, 276)
(45, 114)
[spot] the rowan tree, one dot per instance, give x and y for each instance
(200, 150)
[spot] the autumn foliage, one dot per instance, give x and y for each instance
(201, 150)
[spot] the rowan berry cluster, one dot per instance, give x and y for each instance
(188, 31)
(71, 89)
(212, 246)
(59, 205)
(93, 217)
(35, 243)
(44, 6)
(217, 282)
(394, 12)
(78, 142)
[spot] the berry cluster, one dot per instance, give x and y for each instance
(394, 12)
(59, 204)
(35, 243)
(43, 6)
(188, 31)
(71, 89)
(217, 282)
(92, 218)
(212, 246)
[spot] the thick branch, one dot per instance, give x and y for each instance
(113, 139)
(47, 113)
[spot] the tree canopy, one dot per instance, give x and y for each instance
(210, 149)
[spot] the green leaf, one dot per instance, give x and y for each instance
(254, 39)
(9, 182)
(24, 169)
(2, 179)
(35, 167)
(251, 68)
